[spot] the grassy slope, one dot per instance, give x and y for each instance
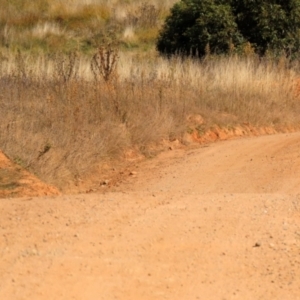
(48, 26)
(59, 118)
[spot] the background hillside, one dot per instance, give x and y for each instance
(54, 25)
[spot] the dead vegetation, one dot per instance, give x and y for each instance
(49, 26)
(60, 117)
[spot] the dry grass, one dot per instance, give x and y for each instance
(59, 120)
(62, 115)
(48, 26)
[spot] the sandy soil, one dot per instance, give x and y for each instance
(15, 181)
(218, 222)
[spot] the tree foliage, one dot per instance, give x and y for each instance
(221, 25)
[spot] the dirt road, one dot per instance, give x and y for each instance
(218, 222)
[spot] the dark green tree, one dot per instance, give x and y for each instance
(269, 25)
(195, 24)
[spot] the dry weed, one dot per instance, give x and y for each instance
(59, 122)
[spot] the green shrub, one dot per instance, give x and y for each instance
(272, 26)
(194, 24)
(222, 25)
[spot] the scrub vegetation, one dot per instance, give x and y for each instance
(74, 94)
(74, 25)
